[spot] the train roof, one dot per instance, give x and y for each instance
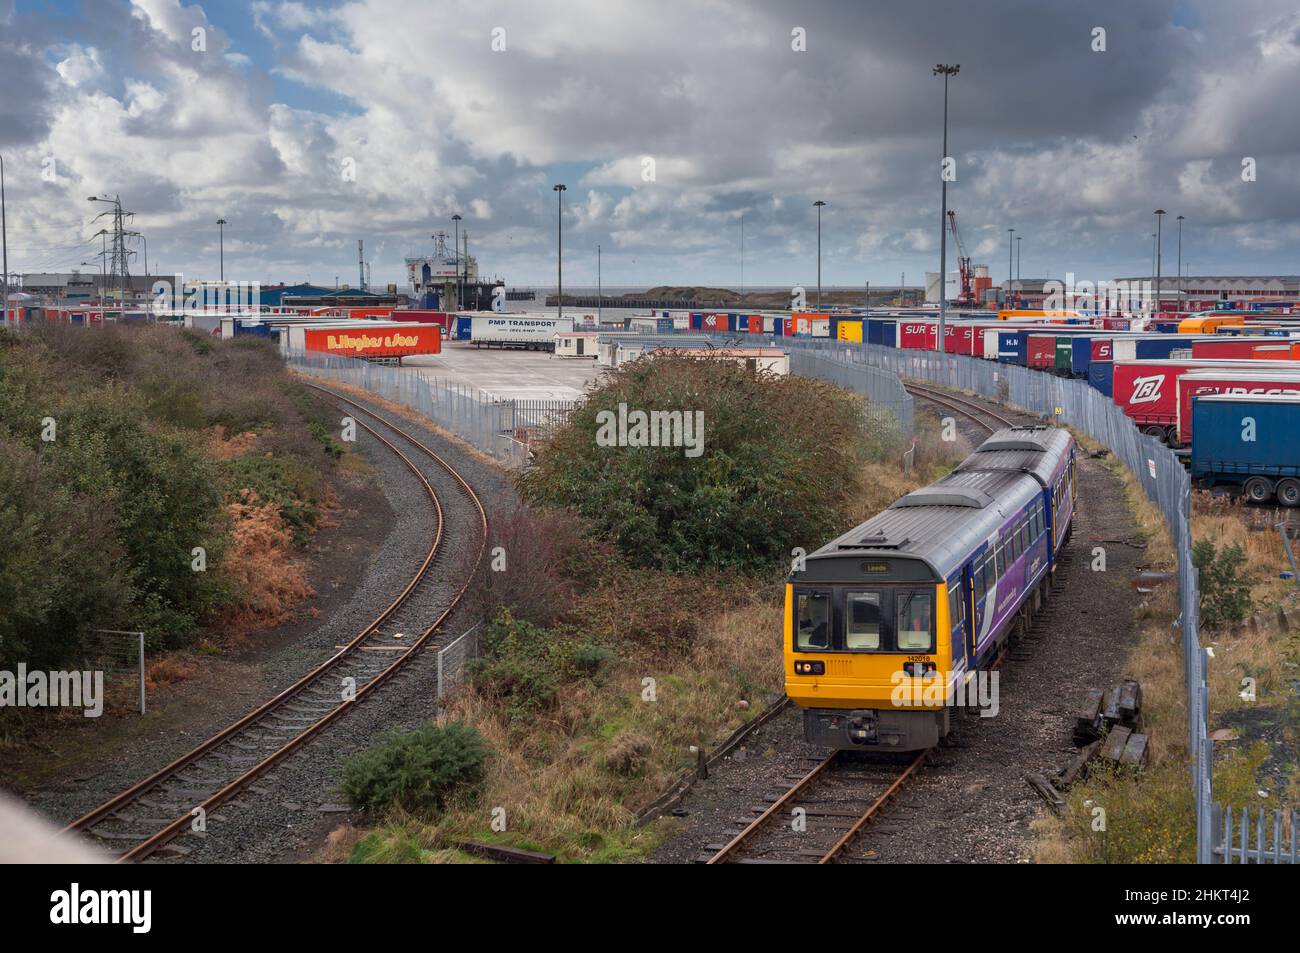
(1034, 450)
(937, 525)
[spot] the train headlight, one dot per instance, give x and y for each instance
(809, 668)
(921, 669)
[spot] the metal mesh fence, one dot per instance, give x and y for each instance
(453, 657)
(503, 429)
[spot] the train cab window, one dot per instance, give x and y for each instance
(862, 621)
(812, 620)
(914, 614)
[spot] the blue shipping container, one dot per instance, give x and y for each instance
(1081, 356)
(1101, 376)
(1219, 452)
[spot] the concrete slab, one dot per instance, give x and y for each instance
(507, 373)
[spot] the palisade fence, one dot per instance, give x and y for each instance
(503, 429)
(1166, 483)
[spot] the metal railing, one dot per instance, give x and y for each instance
(1163, 478)
(503, 429)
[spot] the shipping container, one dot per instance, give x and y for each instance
(371, 340)
(1040, 351)
(1147, 390)
(847, 330)
(506, 330)
(464, 327)
(1101, 376)
(1248, 442)
(1243, 381)
(1229, 346)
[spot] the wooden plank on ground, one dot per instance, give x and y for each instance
(1087, 723)
(1046, 791)
(1113, 746)
(1077, 768)
(1135, 751)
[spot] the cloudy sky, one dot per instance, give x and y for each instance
(310, 125)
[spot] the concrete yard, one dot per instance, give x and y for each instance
(506, 372)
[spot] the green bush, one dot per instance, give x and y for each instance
(417, 770)
(522, 665)
(780, 466)
(1225, 593)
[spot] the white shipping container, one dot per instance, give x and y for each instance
(505, 330)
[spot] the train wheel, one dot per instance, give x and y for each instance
(1258, 489)
(1288, 492)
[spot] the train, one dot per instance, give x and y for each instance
(890, 622)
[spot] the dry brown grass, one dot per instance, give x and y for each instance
(261, 561)
(573, 779)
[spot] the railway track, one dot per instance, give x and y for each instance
(137, 822)
(819, 816)
(973, 411)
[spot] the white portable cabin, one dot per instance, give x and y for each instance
(577, 344)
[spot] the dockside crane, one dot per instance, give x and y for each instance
(967, 296)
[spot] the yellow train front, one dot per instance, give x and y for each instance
(887, 625)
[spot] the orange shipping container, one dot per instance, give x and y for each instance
(385, 341)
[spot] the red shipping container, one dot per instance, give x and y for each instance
(382, 341)
(1102, 350)
(755, 324)
(916, 335)
(715, 322)
(1228, 381)
(1040, 350)
(1147, 390)
(1237, 348)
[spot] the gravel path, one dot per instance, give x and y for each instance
(971, 804)
(292, 807)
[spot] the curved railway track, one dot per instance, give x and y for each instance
(819, 816)
(973, 411)
(138, 821)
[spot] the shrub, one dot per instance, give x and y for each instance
(1225, 593)
(522, 665)
(417, 770)
(780, 466)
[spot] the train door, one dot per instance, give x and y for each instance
(971, 623)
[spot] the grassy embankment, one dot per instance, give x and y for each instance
(640, 610)
(151, 479)
(1149, 817)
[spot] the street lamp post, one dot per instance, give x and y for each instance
(600, 295)
(1011, 275)
(945, 71)
(4, 238)
(1180, 262)
(1018, 262)
(455, 244)
(819, 203)
(559, 250)
(1160, 217)
(221, 247)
